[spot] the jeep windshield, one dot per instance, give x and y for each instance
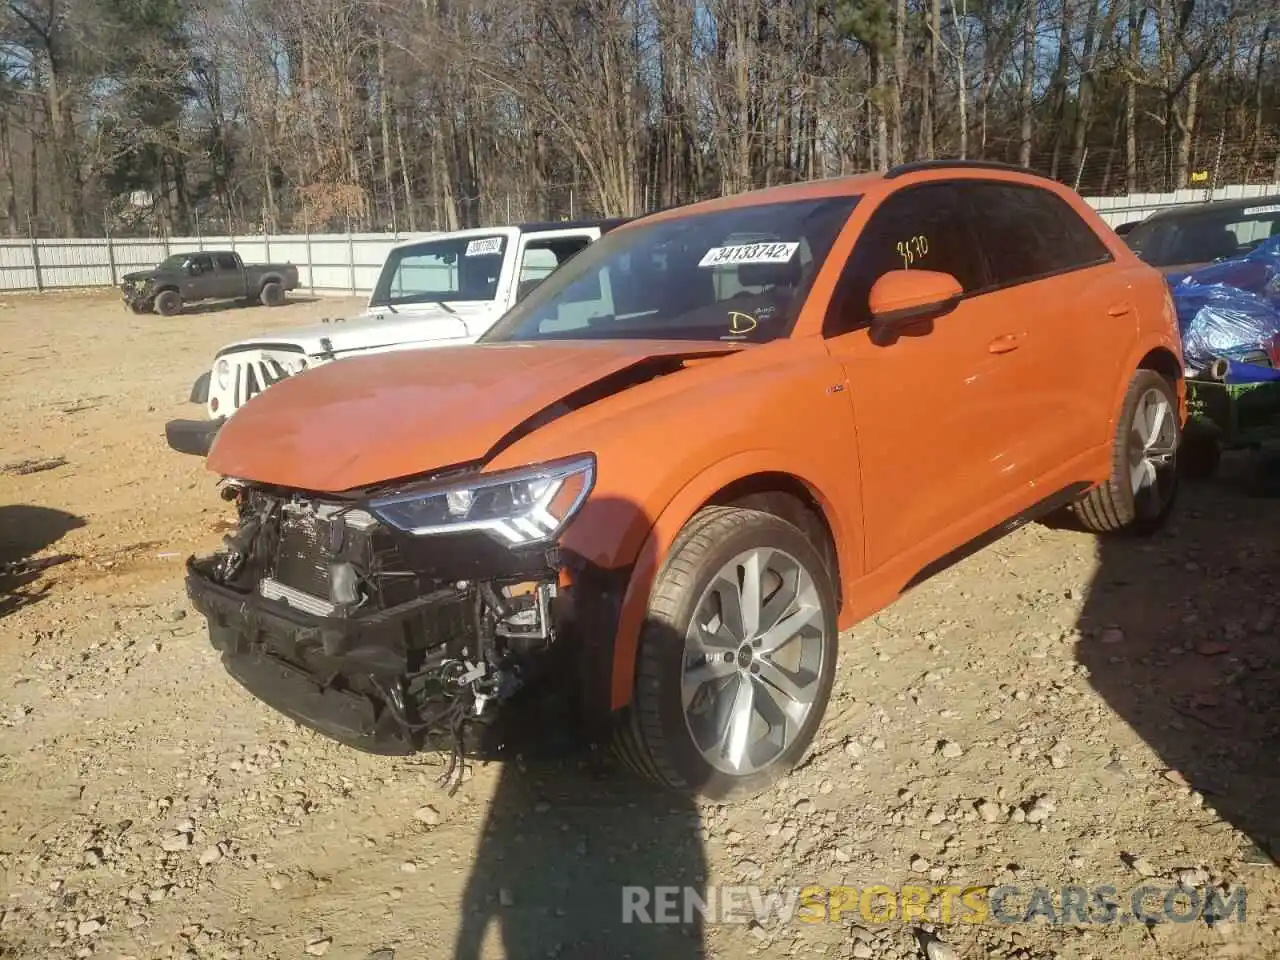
(437, 271)
(1206, 235)
(738, 274)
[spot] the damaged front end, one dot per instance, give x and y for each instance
(138, 293)
(399, 620)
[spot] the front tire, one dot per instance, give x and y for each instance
(736, 658)
(168, 303)
(1143, 486)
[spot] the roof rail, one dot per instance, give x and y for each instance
(922, 166)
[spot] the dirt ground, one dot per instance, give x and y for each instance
(1054, 711)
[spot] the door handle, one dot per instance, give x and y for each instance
(1119, 309)
(1006, 344)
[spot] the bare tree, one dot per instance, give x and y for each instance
(380, 114)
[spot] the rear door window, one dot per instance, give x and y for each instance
(1029, 233)
(226, 261)
(920, 228)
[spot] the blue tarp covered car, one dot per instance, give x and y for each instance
(1231, 309)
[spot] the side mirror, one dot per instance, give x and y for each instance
(193, 268)
(906, 302)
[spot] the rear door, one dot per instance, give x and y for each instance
(231, 275)
(1075, 309)
(936, 412)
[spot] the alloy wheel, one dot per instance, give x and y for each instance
(753, 659)
(1153, 443)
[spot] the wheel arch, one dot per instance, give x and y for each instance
(269, 278)
(789, 498)
(1161, 354)
(1164, 362)
(746, 480)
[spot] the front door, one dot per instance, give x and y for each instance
(934, 411)
(541, 254)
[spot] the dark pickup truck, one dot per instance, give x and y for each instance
(209, 275)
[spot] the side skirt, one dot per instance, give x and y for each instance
(1040, 509)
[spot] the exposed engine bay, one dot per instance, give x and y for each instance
(380, 639)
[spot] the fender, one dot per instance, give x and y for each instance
(1145, 345)
(678, 512)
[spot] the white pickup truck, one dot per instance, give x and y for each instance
(446, 288)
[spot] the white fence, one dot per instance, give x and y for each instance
(347, 264)
(1118, 210)
(327, 263)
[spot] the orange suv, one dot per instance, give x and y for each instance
(663, 483)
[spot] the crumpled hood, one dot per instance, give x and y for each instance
(137, 275)
(368, 420)
(379, 327)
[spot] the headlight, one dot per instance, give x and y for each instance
(222, 373)
(516, 507)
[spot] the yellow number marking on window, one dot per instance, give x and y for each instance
(912, 249)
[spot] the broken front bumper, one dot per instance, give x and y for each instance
(192, 436)
(346, 678)
(392, 642)
(139, 298)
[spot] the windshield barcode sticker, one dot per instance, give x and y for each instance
(1270, 208)
(487, 247)
(749, 253)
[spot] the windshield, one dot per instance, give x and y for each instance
(736, 274)
(453, 268)
(1205, 237)
(174, 262)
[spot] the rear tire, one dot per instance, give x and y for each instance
(168, 303)
(719, 710)
(272, 294)
(1140, 494)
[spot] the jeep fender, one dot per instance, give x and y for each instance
(691, 498)
(200, 389)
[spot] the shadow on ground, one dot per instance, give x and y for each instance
(569, 829)
(1179, 633)
(220, 306)
(561, 842)
(26, 530)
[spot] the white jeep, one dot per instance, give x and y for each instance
(442, 289)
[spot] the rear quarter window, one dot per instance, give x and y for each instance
(1029, 233)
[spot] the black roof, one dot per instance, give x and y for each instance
(1197, 209)
(923, 166)
(605, 224)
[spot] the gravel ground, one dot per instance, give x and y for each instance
(1053, 712)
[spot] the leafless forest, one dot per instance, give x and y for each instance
(141, 116)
